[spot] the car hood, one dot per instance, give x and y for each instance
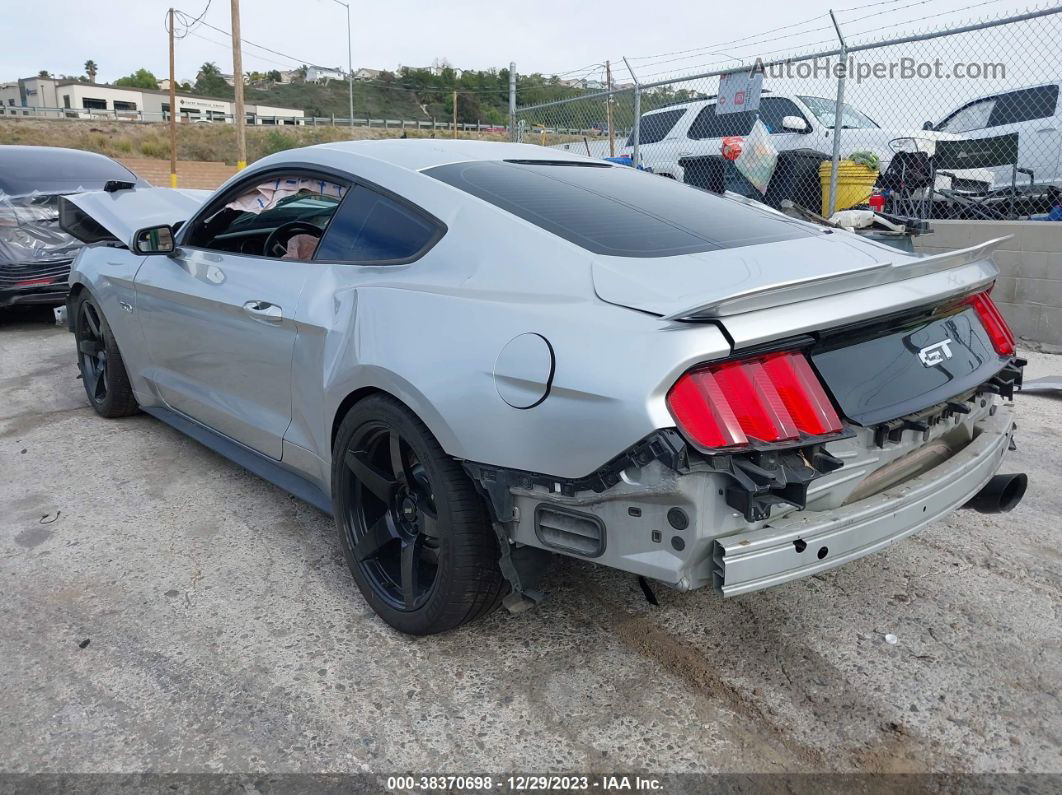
(124, 212)
(880, 137)
(737, 280)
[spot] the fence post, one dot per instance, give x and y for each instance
(841, 77)
(636, 133)
(512, 102)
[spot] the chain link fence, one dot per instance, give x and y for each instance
(963, 122)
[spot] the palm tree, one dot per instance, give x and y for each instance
(90, 70)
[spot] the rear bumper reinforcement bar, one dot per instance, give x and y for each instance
(801, 544)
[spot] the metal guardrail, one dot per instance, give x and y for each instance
(99, 114)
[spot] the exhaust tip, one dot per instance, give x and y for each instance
(1001, 494)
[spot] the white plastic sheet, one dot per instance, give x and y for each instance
(758, 157)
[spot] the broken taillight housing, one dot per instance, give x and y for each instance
(998, 330)
(767, 399)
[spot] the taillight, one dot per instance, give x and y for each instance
(998, 330)
(773, 398)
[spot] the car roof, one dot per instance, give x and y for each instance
(699, 102)
(51, 169)
(1003, 91)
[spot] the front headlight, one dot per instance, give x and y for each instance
(30, 233)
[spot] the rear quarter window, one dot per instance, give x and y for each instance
(371, 227)
(616, 210)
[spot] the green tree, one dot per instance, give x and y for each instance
(141, 78)
(43, 73)
(210, 82)
(274, 75)
(91, 69)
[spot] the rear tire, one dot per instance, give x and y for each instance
(102, 369)
(414, 531)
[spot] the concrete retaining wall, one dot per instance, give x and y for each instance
(1029, 290)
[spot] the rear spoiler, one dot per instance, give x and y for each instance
(820, 287)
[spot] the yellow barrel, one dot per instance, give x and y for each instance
(855, 183)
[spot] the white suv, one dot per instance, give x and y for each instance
(1033, 113)
(692, 129)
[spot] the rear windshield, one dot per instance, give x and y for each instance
(25, 169)
(616, 210)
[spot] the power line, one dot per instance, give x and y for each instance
(731, 42)
(849, 35)
(188, 22)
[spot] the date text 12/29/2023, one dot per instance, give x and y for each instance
(518, 783)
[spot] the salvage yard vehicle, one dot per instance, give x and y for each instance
(35, 254)
(673, 136)
(1033, 112)
(477, 354)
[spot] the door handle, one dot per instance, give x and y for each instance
(264, 311)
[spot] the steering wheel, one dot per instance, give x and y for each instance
(276, 245)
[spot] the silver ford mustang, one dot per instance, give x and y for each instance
(475, 355)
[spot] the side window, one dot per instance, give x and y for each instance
(1025, 105)
(654, 127)
(280, 217)
(973, 117)
(370, 227)
(708, 125)
(774, 109)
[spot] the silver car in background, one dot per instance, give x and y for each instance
(475, 355)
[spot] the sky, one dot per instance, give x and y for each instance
(572, 37)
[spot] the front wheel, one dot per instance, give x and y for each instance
(414, 531)
(102, 369)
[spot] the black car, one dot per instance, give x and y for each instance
(35, 254)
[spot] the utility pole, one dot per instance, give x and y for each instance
(455, 113)
(173, 112)
(512, 102)
(237, 78)
(350, 66)
(608, 110)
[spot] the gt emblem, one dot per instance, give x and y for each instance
(934, 354)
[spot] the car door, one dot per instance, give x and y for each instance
(218, 315)
(707, 131)
(658, 133)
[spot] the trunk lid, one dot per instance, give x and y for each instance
(880, 374)
(101, 215)
(886, 331)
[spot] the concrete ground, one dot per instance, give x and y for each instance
(163, 610)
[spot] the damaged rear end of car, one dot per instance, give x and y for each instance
(865, 395)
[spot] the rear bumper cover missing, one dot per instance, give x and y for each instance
(769, 556)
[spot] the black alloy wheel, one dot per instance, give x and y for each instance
(92, 350)
(393, 522)
(414, 530)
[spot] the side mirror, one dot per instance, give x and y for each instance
(927, 126)
(794, 124)
(154, 240)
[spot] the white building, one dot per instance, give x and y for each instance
(72, 99)
(320, 74)
(365, 73)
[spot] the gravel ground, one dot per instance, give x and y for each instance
(163, 610)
